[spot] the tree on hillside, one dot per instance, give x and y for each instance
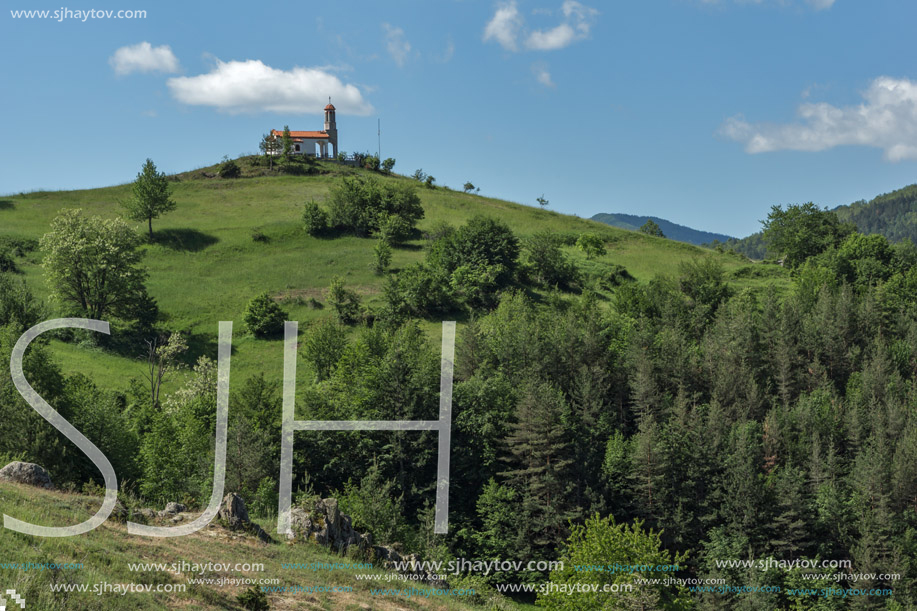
(92, 264)
(802, 231)
(469, 186)
(592, 245)
(151, 196)
(651, 228)
(270, 146)
(287, 143)
(542, 201)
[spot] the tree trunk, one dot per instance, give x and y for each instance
(150, 221)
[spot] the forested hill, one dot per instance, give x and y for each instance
(673, 231)
(893, 215)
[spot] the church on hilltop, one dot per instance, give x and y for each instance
(316, 144)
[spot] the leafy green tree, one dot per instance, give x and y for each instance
(271, 146)
(468, 186)
(264, 317)
(592, 245)
(650, 227)
(230, 169)
(542, 201)
(18, 307)
(151, 196)
(482, 241)
(323, 347)
(429, 181)
(546, 263)
(382, 256)
(286, 144)
(346, 303)
(315, 219)
(602, 542)
(362, 206)
(388, 165)
(93, 265)
(802, 231)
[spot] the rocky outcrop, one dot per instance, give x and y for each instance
(234, 516)
(173, 508)
(26, 473)
(326, 525)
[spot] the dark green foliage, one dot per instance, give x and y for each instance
(346, 303)
(230, 169)
(361, 205)
(546, 265)
(18, 308)
(7, 264)
(264, 317)
(253, 599)
(481, 242)
(315, 219)
(388, 165)
(324, 344)
(650, 227)
(151, 196)
(802, 231)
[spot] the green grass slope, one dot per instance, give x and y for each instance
(204, 265)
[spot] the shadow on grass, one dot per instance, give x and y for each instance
(6, 204)
(189, 240)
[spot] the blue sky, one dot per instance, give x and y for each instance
(702, 112)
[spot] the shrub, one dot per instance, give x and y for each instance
(361, 205)
(230, 169)
(468, 187)
(382, 256)
(315, 219)
(482, 241)
(428, 182)
(345, 302)
(264, 317)
(419, 290)
(371, 162)
(388, 165)
(258, 236)
(253, 599)
(591, 244)
(419, 175)
(323, 346)
(6, 262)
(546, 264)
(395, 229)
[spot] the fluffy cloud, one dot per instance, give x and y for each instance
(398, 47)
(143, 57)
(507, 27)
(252, 86)
(886, 119)
(504, 26)
(577, 23)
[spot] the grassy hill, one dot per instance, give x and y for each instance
(204, 266)
(671, 230)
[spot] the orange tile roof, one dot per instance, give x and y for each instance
(300, 134)
(329, 107)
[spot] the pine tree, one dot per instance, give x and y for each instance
(151, 196)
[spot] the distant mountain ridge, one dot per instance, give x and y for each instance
(673, 231)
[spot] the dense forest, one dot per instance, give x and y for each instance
(720, 424)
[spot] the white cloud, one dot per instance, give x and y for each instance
(252, 86)
(504, 26)
(143, 57)
(507, 26)
(887, 119)
(397, 45)
(540, 70)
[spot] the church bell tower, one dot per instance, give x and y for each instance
(331, 128)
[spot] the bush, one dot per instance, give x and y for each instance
(546, 264)
(388, 165)
(419, 290)
(345, 302)
(395, 229)
(428, 182)
(258, 236)
(323, 346)
(468, 187)
(382, 256)
(253, 599)
(591, 245)
(230, 169)
(315, 219)
(419, 175)
(6, 262)
(371, 162)
(361, 205)
(482, 241)
(264, 317)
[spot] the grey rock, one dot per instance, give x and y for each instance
(175, 508)
(26, 473)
